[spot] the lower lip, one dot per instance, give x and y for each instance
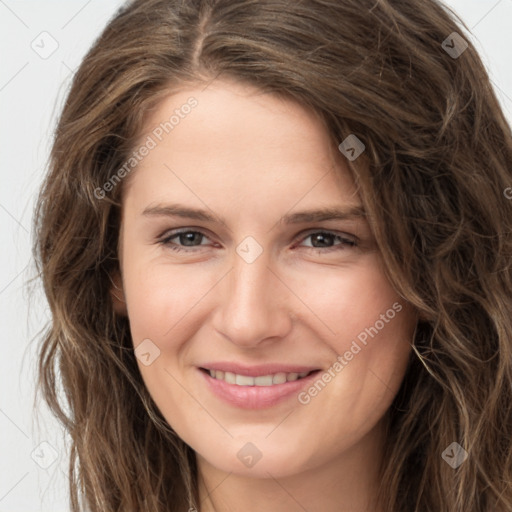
(256, 397)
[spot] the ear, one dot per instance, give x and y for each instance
(117, 294)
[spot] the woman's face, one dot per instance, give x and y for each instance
(289, 310)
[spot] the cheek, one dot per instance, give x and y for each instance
(160, 297)
(347, 302)
(368, 329)
(163, 303)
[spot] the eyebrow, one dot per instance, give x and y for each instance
(314, 215)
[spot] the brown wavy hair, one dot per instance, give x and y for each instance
(432, 178)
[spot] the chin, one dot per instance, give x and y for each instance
(258, 459)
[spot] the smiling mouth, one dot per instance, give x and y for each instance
(262, 380)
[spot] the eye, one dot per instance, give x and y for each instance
(321, 241)
(324, 241)
(186, 238)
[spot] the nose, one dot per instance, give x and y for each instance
(253, 305)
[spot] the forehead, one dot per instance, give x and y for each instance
(229, 140)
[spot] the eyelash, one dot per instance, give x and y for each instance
(345, 241)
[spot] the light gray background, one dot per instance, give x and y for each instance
(32, 90)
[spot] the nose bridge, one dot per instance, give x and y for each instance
(252, 303)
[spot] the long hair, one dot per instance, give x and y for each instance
(437, 160)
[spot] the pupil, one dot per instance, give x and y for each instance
(188, 237)
(322, 237)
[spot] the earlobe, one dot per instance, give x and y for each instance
(117, 294)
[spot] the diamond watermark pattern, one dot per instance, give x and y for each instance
(45, 45)
(352, 147)
(454, 45)
(146, 352)
(454, 455)
(249, 250)
(44, 455)
(249, 455)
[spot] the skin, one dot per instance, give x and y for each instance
(251, 158)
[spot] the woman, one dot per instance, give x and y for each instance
(276, 247)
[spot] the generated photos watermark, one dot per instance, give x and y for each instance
(144, 149)
(305, 397)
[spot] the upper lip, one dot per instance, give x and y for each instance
(258, 370)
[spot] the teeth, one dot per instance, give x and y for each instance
(230, 378)
(263, 380)
(243, 380)
(279, 378)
